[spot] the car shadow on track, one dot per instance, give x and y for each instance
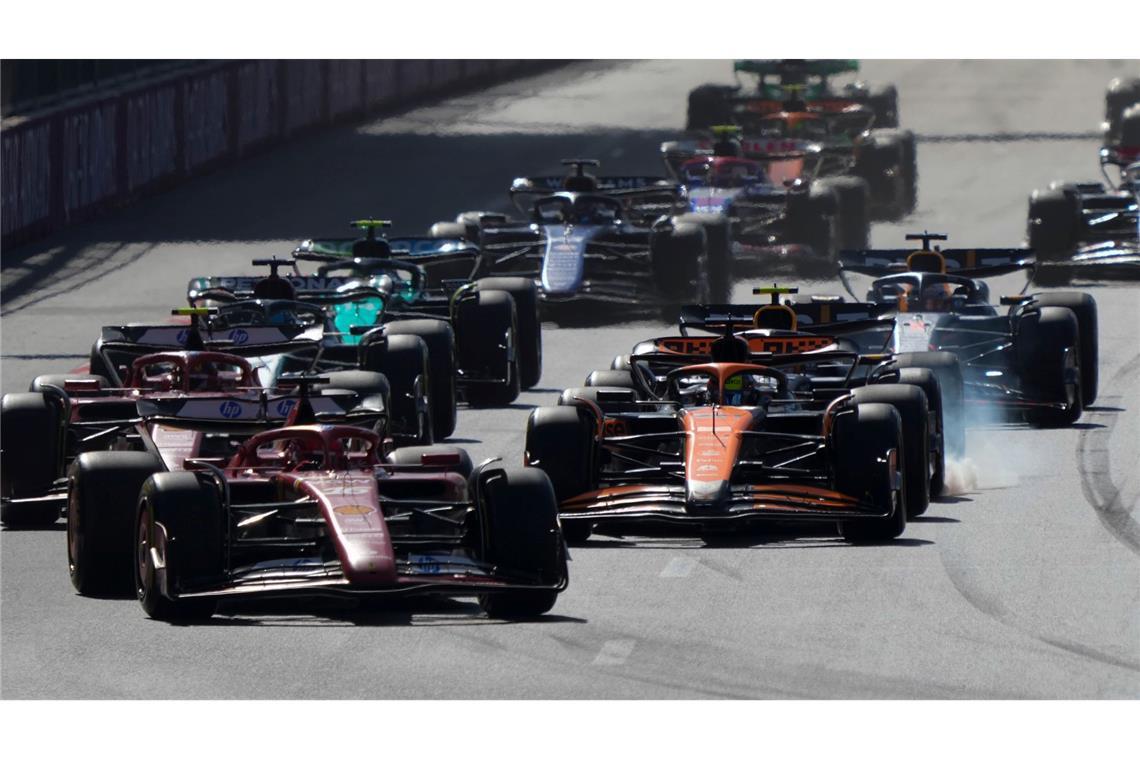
(425, 612)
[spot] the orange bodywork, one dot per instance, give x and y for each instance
(757, 344)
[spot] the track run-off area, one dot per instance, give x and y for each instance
(1025, 584)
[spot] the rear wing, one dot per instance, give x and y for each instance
(803, 67)
(811, 314)
(227, 409)
(966, 262)
(410, 247)
(176, 336)
(613, 185)
(242, 286)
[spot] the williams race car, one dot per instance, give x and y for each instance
(601, 240)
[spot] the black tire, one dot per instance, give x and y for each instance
(97, 366)
(914, 456)
(412, 455)
(860, 439)
(621, 361)
(38, 385)
(440, 339)
(611, 378)
(560, 442)
(948, 370)
(884, 101)
(926, 380)
(680, 263)
(529, 346)
(192, 517)
(1047, 369)
(1054, 224)
(709, 106)
(879, 160)
(593, 393)
(487, 333)
(718, 245)
(812, 221)
(522, 538)
(909, 169)
(853, 196)
(30, 458)
(1121, 93)
(1084, 307)
(403, 360)
(103, 492)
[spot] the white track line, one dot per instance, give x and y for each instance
(615, 652)
(679, 567)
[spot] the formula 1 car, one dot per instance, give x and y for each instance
(280, 337)
(776, 207)
(823, 368)
(63, 416)
(316, 511)
(720, 104)
(483, 338)
(601, 240)
(719, 446)
(1088, 230)
(1039, 359)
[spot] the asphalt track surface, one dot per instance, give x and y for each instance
(1026, 584)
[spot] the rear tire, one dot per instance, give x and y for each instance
(403, 360)
(948, 370)
(1054, 224)
(523, 538)
(926, 380)
(1048, 371)
(103, 492)
(709, 106)
(853, 196)
(1084, 307)
(529, 348)
(411, 455)
(718, 243)
(372, 388)
(440, 340)
(59, 381)
(487, 336)
(679, 263)
(611, 378)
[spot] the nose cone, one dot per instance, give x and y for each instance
(564, 262)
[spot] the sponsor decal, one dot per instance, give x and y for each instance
(230, 409)
(183, 336)
(354, 510)
(238, 336)
(284, 406)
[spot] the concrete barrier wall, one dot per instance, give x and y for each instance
(75, 162)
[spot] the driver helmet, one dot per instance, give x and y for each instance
(937, 297)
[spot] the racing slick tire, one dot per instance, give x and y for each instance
(413, 455)
(38, 385)
(1049, 355)
(812, 221)
(621, 361)
(373, 392)
(190, 514)
(522, 538)
(914, 456)
(612, 378)
(1053, 224)
(441, 387)
(529, 347)
(884, 101)
(487, 328)
(560, 442)
(453, 230)
(403, 360)
(30, 458)
(928, 382)
(948, 370)
(879, 160)
(860, 440)
(1120, 94)
(97, 365)
(709, 106)
(853, 194)
(103, 491)
(621, 395)
(680, 264)
(718, 242)
(1084, 307)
